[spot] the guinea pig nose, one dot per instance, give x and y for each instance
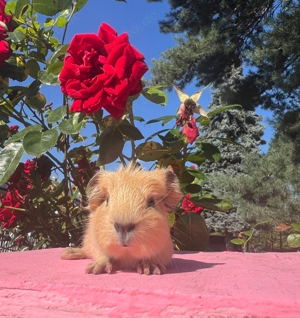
(120, 228)
(130, 227)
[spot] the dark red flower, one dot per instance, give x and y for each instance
(30, 165)
(188, 206)
(5, 50)
(8, 216)
(16, 176)
(190, 130)
(102, 71)
(13, 129)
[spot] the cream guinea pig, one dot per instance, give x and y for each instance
(128, 222)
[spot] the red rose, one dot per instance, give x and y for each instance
(30, 165)
(190, 130)
(13, 129)
(8, 216)
(188, 206)
(102, 71)
(5, 50)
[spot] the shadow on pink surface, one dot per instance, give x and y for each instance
(39, 283)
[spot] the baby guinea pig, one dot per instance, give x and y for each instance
(128, 224)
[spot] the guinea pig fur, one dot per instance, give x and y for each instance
(128, 222)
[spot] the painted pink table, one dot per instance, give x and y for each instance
(40, 284)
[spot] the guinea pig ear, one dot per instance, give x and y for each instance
(94, 195)
(174, 193)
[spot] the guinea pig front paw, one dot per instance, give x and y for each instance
(99, 267)
(148, 267)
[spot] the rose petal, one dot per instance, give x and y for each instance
(116, 53)
(107, 33)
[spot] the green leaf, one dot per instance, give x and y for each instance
(130, 131)
(155, 95)
(57, 114)
(296, 226)
(74, 195)
(49, 7)
(156, 134)
(20, 135)
(65, 13)
(212, 204)
(10, 158)
(175, 132)
(111, 145)
(210, 152)
(64, 4)
(61, 22)
(196, 159)
(186, 177)
(73, 125)
(16, 36)
(33, 88)
(238, 241)
(196, 173)
(229, 141)
(248, 233)
(48, 79)
(138, 118)
(293, 240)
(263, 222)
(221, 109)
(38, 56)
(193, 188)
(60, 51)
(39, 244)
(10, 7)
(21, 7)
(55, 68)
(48, 22)
(80, 4)
(150, 151)
(165, 120)
(37, 143)
(203, 121)
(34, 68)
(190, 233)
(4, 117)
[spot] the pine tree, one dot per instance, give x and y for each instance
(268, 189)
(216, 35)
(236, 124)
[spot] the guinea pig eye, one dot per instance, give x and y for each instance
(151, 203)
(106, 201)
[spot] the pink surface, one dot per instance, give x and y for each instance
(40, 284)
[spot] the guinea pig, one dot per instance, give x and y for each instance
(128, 221)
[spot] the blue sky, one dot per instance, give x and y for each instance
(140, 20)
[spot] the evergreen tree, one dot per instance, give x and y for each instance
(236, 124)
(268, 189)
(219, 34)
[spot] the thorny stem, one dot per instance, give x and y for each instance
(66, 27)
(130, 113)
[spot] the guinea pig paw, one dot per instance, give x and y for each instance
(147, 268)
(73, 253)
(98, 268)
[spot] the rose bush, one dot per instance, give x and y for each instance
(5, 50)
(99, 75)
(102, 71)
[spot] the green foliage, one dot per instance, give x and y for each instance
(220, 34)
(52, 210)
(248, 235)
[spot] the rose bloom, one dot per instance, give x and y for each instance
(5, 50)
(8, 216)
(102, 71)
(13, 129)
(188, 206)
